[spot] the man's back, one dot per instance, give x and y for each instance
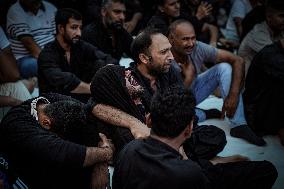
(150, 163)
(40, 157)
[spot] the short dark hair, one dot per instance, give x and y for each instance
(66, 116)
(142, 42)
(160, 2)
(63, 15)
(106, 3)
(171, 111)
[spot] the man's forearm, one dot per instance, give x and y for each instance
(213, 31)
(238, 71)
(31, 46)
(115, 116)
(82, 88)
(9, 101)
(97, 155)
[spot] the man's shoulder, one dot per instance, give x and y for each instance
(93, 29)
(49, 6)
(50, 48)
(16, 10)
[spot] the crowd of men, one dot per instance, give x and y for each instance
(92, 112)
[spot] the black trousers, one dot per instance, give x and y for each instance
(245, 174)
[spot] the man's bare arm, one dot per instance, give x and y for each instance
(119, 118)
(101, 154)
(213, 32)
(238, 70)
(82, 88)
(31, 45)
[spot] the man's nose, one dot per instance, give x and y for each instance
(78, 32)
(122, 16)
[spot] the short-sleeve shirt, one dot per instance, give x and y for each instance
(255, 40)
(202, 53)
(239, 9)
(21, 22)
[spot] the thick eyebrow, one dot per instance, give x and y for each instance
(119, 10)
(165, 50)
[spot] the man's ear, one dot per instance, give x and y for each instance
(171, 38)
(188, 130)
(144, 58)
(61, 28)
(148, 120)
(161, 8)
(103, 12)
(46, 123)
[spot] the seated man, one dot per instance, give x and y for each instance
(51, 144)
(122, 96)
(191, 55)
(67, 65)
(169, 11)
(108, 33)
(264, 33)
(233, 30)
(30, 26)
(263, 95)
(158, 161)
(12, 90)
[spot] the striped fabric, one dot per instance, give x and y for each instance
(19, 184)
(41, 27)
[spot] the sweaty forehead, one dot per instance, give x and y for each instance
(185, 29)
(159, 43)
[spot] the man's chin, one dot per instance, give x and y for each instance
(75, 41)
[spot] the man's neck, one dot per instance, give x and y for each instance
(175, 143)
(144, 71)
(62, 43)
(180, 58)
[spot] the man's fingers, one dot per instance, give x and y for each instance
(223, 112)
(103, 138)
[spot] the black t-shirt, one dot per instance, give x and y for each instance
(41, 158)
(56, 75)
(96, 34)
(149, 163)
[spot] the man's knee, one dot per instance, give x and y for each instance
(28, 67)
(224, 68)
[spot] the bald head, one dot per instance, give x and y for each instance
(176, 24)
(182, 37)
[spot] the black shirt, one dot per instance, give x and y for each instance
(41, 158)
(99, 36)
(57, 75)
(263, 95)
(109, 87)
(150, 163)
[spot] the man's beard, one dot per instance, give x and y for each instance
(72, 41)
(155, 70)
(114, 25)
